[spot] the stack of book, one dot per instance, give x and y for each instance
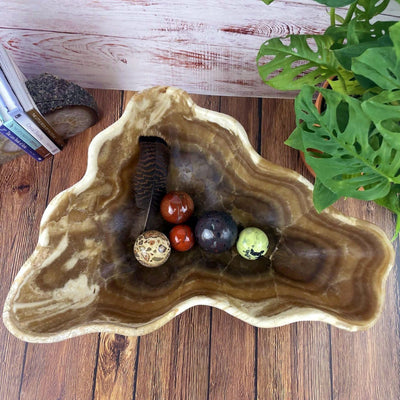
(20, 120)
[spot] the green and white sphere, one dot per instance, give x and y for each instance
(252, 243)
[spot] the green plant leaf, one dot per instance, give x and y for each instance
(348, 52)
(367, 9)
(394, 32)
(392, 202)
(384, 111)
(380, 66)
(267, 1)
(357, 32)
(295, 139)
(356, 161)
(294, 63)
(322, 196)
(347, 85)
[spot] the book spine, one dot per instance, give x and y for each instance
(20, 143)
(16, 111)
(23, 119)
(14, 75)
(18, 130)
(41, 121)
(22, 134)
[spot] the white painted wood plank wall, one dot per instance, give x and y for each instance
(202, 46)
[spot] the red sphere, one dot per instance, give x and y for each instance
(181, 238)
(176, 207)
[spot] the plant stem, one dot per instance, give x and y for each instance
(332, 16)
(350, 12)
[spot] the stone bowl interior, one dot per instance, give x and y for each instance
(83, 277)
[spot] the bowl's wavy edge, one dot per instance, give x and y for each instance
(114, 129)
(288, 317)
(292, 315)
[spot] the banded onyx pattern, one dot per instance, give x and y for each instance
(83, 277)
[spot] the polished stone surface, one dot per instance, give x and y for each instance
(83, 276)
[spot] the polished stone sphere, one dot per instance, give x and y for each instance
(176, 207)
(181, 238)
(152, 249)
(252, 243)
(216, 231)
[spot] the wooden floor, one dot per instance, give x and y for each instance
(203, 353)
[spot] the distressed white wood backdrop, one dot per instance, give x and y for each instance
(202, 46)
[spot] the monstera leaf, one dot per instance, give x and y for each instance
(358, 37)
(392, 202)
(381, 65)
(395, 36)
(384, 111)
(367, 9)
(354, 159)
(294, 63)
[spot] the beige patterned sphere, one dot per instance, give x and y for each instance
(152, 249)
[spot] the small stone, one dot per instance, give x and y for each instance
(252, 243)
(216, 231)
(181, 238)
(152, 249)
(176, 207)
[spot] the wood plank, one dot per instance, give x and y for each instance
(130, 63)
(61, 370)
(294, 362)
(77, 357)
(369, 368)
(191, 21)
(278, 122)
(23, 194)
(232, 358)
(204, 47)
(187, 20)
(116, 369)
(207, 48)
(173, 361)
(155, 363)
(191, 355)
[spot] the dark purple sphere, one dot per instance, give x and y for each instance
(216, 231)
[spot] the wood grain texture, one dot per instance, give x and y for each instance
(23, 197)
(372, 355)
(116, 367)
(204, 47)
(202, 354)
